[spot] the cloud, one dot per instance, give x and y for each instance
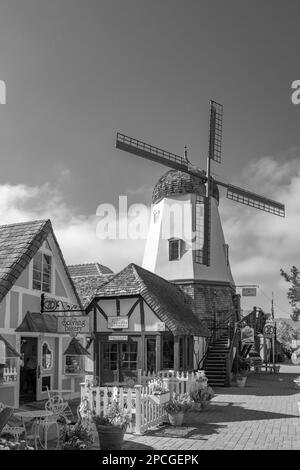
(76, 233)
(260, 243)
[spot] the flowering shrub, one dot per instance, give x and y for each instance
(157, 387)
(76, 437)
(178, 403)
(202, 395)
(115, 417)
(10, 445)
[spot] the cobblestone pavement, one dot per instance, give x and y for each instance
(263, 415)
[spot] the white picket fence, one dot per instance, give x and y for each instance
(144, 412)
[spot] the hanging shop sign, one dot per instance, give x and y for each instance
(73, 325)
(269, 330)
(118, 338)
(117, 322)
(249, 291)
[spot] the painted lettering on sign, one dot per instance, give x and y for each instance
(73, 325)
(118, 338)
(117, 322)
(249, 291)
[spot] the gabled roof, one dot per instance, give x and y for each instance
(88, 278)
(38, 322)
(164, 298)
(10, 350)
(88, 269)
(18, 245)
(76, 348)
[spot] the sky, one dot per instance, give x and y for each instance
(78, 71)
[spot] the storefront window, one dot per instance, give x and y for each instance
(190, 352)
(47, 356)
(8, 371)
(129, 356)
(181, 352)
(151, 354)
(168, 352)
(74, 364)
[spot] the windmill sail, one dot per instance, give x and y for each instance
(215, 131)
(253, 200)
(137, 147)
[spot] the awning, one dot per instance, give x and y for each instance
(76, 349)
(38, 322)
(6, 350)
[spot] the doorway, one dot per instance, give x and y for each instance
(118, 362)
(28, 369)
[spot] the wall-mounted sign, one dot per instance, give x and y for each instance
(73, 325)
(118, 338)
(160, 326)
(269, 330)
(117, 322)
(249, 291)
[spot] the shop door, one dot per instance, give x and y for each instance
(119, 362)
(45, 367)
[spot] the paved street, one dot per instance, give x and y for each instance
(263, 415)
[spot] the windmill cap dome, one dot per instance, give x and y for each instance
(177, 183)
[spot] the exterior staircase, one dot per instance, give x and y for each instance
(215, 362)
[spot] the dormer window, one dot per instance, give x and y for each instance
(175, 245)
(42, 272)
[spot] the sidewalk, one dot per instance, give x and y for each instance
(263, 415)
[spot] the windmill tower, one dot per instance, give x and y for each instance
(185, 242)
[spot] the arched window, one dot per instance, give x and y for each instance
(47, 356)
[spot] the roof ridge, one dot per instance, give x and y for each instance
(40, 221)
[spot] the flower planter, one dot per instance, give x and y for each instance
(160, 399)
(276, 369)
(176, 419)
(297, 385)
(110, 437)
(241, 381)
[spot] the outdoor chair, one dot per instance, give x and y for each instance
(56, 406)
(14, 427)
(5, 414)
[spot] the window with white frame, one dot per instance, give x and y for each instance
(42, 272)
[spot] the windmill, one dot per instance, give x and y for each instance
(182, 164)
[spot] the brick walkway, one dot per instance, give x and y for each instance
(263, 415)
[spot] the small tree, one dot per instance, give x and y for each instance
(293, 293)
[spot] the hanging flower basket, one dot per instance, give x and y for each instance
(161, 398)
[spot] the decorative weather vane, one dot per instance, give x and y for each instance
(177, 162)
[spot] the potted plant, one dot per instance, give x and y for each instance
(241, 379)
(177, 407)
(200, 381)
(243, 371)
(276, 368)
(112, 427)
(159, 392)
(201, 398)
(76, 437)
